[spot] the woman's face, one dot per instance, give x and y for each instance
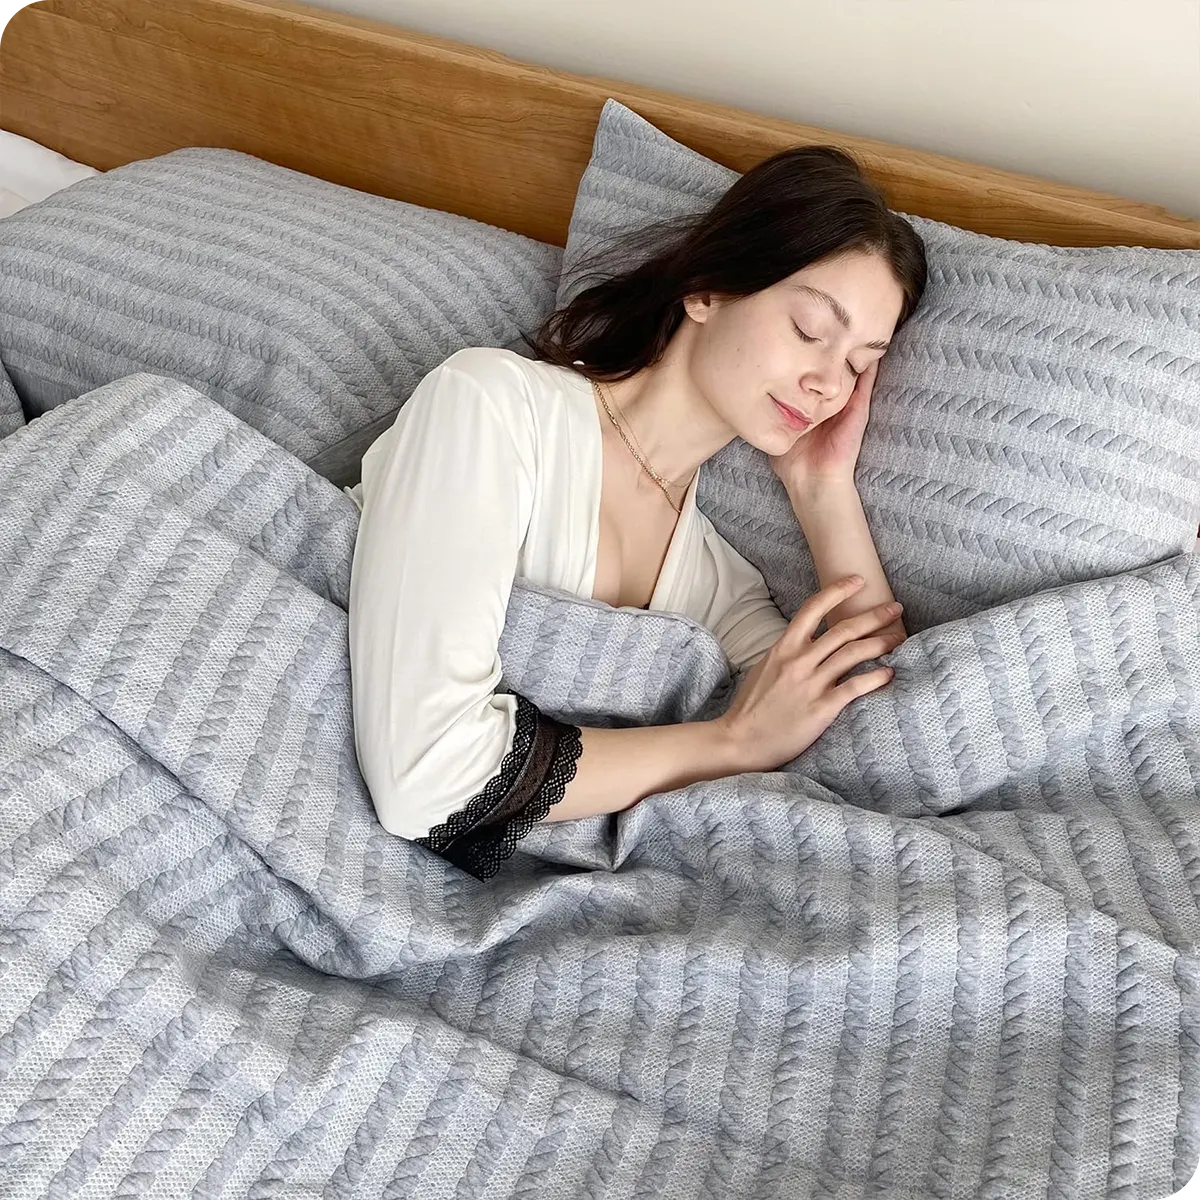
(789, 345)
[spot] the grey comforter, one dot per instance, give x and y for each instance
(951, 951)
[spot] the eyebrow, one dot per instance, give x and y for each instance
(838, 311)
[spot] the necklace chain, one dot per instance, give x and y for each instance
(645, 465)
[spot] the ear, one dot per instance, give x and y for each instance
(699, 307)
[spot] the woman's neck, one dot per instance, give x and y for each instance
(672, 423)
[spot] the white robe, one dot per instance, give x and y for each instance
(492, 471)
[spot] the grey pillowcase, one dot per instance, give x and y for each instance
(1035, 423)
(307, 309)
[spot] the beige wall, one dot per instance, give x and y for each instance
(1100, 93)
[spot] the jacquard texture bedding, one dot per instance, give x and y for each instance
(950, 951)
(12, 417)
(308, 309)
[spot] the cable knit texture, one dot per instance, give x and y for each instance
(951, 951)
(309, 310)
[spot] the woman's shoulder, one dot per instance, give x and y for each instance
(499, 391)
(498, 370)
(484, 400)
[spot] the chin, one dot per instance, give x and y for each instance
(787, 438)
(774, 443)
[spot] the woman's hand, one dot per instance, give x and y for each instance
(791, 695)
(829, 451)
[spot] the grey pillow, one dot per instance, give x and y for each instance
(307, 309)
(1037, 421)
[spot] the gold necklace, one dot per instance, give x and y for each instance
(662, 483)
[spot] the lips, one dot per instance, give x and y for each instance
(793, 416)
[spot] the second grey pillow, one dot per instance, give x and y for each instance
(307, 309)
(1037, 421)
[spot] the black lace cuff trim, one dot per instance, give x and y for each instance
(533, 776)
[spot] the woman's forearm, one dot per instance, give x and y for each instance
(619, 767)
(835, 527)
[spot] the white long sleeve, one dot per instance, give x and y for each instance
(447, 497)
(745, 619)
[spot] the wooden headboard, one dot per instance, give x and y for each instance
(438, 123)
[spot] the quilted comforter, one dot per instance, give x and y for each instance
(950, 951)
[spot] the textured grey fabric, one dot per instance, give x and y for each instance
(341, 463)
(1035, 423)
(12, 416)
(951, 953)
(309, 310)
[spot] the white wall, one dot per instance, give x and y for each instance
(1099, 93)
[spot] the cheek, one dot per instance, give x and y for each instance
(750, 349)
(743, 354)
(724, 353)
(779, 360)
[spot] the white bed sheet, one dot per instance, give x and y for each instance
(30, 172)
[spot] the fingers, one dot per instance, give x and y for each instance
(813, 611)
(865, 383)
(848, 657)
(851, 629)
(859, 685)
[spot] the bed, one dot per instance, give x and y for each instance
(949, 951)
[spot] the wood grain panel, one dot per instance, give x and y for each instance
(439, 123)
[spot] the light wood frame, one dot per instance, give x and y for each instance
(439, 123)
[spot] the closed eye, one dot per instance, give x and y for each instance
(806, 338)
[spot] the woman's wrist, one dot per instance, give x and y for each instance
(721, 741)
(809, 493)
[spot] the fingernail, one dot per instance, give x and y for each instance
(895, 606)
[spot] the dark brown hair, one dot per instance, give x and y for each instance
(792, 210)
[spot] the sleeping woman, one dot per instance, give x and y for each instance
(764, 319)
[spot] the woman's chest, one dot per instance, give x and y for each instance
(599, 526)
(636, 527)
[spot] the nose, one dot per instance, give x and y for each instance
(820, 380)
